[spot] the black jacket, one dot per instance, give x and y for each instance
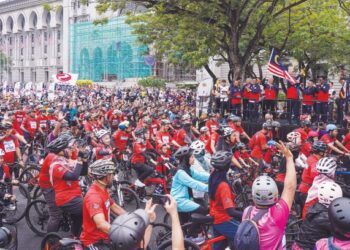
(316, 226)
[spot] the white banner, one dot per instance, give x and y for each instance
(4, 88)
(39, 90)
(17, 89)
(28, 89)
(51, 91)
(69, 79)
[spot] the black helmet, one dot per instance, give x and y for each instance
(240, 146)
(276, 124)
(267, 125)
(319, 147)
(183, 152)
(60, 143)
(7, 125)
(128, 229)
(221, 160)
(339, 216)
(139, 131)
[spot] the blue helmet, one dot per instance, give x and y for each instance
(331, 127)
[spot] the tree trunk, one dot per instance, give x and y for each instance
(211, 73)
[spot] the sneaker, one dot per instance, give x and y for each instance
(10, 207)
(197, 240)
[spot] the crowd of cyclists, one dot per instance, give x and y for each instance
(257, 191)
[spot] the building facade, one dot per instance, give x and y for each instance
(32, 38)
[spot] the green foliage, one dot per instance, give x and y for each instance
(47, 6)
(101, 21)
(152, 82)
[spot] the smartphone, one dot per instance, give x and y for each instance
(159, 199)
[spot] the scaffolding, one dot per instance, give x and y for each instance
(107, 52)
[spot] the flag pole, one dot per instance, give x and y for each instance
(271, 55)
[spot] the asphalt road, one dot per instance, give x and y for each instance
(28, 240)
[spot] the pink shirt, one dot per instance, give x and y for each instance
(322, 244)
(272, 225)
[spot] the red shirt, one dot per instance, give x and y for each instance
(224, 198)
(65, 191)
(243, 155)
(96, 201)
(164, 137)
(214, 136)
(260, 140)
(346, 141)
(306, 149)
(31, 125)
(43, 122)
(88, 127)
(327, 139)
(121, 139)
(44, 175)
(303, 134)
(204, 138)
(115, 120)
(309, 174)
(9, 145)
(155, 126)
(292, 92)
(211, 124)
(180, 137)
(138, 148)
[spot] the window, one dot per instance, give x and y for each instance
(46, 76)
(78, 4)
(45, 49)
(58, 48)
(22, 76)
(58, 35)
(10, 40)
(45, 36)
(33, 50)
(21, 39)
(10, 52)
(21, 51)
(32, 38)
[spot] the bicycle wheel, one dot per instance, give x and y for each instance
(167, 245)
(126, 198)
(16, 211)
(37, 217)
(160, 233)
(37, 193)
(51, 242)
(292, 230)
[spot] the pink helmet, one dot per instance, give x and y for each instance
(312, 134)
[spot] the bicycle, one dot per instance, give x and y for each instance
(37, 217)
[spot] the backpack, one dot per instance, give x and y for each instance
(247, 236)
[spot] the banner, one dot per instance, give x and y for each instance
(39, 90)
(28, 89)
(68, 79)
(16, 90)
(51, 91)
(4, 88)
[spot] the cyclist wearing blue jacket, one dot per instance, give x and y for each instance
(184, 181)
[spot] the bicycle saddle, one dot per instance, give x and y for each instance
(201, 219)
(68, 242)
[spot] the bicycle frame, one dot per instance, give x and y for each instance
(208, 244)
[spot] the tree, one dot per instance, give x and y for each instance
(193, 31)
(313, 32)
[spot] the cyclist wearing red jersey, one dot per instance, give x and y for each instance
(29, 125)
(304, 130)
(210, 146)
(97, 206)
(139, 156)
(103, 149)
(331, 140)
(116, 118)
(265, 196)
(237, 126)
(164, 137)
(259, 142)
(222, 206)
(121, 137)
(64, 177)
(43, 121)
(212, 123)
(319, 149)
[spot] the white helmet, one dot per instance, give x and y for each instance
(197, 147)
(328, 191)
(228, 131)
(294, 137)
(264, 191)
(2, 152)
(101, 133)
(326, 165)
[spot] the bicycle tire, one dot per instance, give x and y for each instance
(160, 233)
(28, 174)
(37, 193)
(14, 216)
(129, 197)
(40, 209)
(50, 241)
(189, 245)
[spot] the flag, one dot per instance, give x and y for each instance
(276, 68)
